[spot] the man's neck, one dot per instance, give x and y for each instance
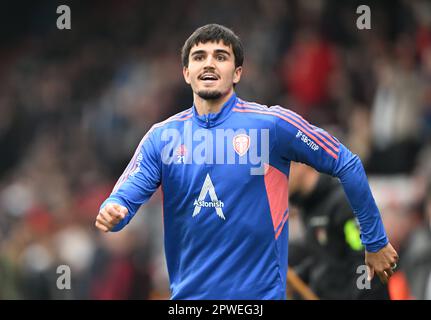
(204, 106)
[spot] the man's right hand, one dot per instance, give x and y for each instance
(110, 216)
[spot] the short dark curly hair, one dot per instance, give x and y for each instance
(214, 33)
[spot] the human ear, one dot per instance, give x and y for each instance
(237, 75)
(186, 75)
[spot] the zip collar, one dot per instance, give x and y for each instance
(214, 119)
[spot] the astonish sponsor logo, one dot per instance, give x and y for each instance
(199, 203)
(209, 204)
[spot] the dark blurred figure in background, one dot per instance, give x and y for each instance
(329, 256)
(414, 278)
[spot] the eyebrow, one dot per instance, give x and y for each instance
(216, 51)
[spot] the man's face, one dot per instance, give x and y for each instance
(211, 71)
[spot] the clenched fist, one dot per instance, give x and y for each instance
(110, 216)
(382, 262)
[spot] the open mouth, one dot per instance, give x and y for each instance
(208, 77)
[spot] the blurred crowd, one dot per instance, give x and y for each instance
(74, 105)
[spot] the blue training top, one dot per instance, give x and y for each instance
(224, 179)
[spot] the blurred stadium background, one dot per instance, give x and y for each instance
(74, 104)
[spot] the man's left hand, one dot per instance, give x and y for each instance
(382, 262)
